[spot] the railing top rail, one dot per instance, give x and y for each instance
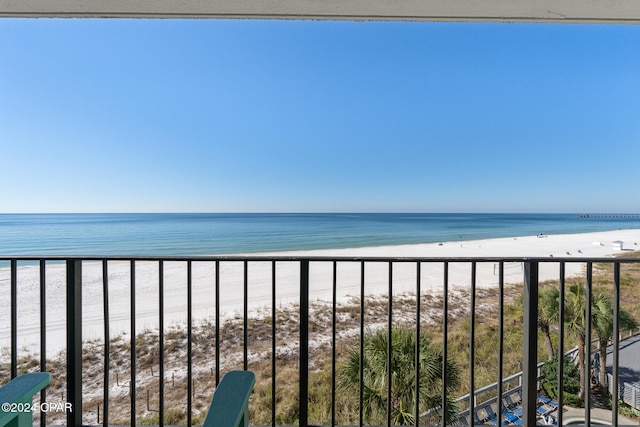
(313, 258)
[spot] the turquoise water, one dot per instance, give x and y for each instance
(211, 234)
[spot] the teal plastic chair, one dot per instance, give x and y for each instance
(17, 395)
(230, 404)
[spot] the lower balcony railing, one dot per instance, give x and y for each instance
(143, 339)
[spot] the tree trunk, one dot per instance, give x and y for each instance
(544, 327)
(581, 367)
(603, 366)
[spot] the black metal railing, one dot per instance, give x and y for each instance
(75, 282)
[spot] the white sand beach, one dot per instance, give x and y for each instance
(599, 244)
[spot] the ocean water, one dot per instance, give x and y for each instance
(213, 234)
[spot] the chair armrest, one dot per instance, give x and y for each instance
(230, 404)
(21, 390)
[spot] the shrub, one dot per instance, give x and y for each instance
(571, 378)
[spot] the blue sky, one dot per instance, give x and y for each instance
(298, 116)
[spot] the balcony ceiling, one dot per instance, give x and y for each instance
(568, 11)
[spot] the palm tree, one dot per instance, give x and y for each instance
(602, 323)
(403, 399)
(603, 326)
(548, 302)
(575, 313)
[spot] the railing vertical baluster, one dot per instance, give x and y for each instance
(561, 344)
(14, 317)
(304, 343)
(245, 317)
(107, 338)
(161, 342)
(43, 335)
(445, 333)
(472, 340)
(273, 344)
(333, 344)
(74, 342)
(587, 348)
(530, 344)
(500, 337)
(529, 365)
(417, 349)
(217, 292)
(189, 344)
(361, 367)
(615, 394)
(390, 345)
(132, 384)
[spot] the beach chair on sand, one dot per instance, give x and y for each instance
(19, 392)
(230, 404)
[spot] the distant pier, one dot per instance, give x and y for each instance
(610, 216)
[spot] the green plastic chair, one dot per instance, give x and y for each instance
(17, 395)
(230, 404)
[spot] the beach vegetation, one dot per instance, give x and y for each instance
(376, 369)
(602, 320)
(575, 324)
(172, 417)
(571, 381)
(628, 411)
(548, 301)
(603, 325)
